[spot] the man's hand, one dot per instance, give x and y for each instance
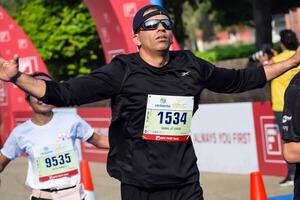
(263, 59)
(8, 68)
(3, 162)
(273, 70)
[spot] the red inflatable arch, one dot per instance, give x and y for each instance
(13, 107)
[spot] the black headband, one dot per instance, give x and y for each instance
(139, 17)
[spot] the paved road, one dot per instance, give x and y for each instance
(216, 186)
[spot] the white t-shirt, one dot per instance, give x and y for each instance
(53, 157)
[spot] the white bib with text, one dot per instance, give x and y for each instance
(168, 118)
(56, 162)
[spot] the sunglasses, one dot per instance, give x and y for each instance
(152, 24)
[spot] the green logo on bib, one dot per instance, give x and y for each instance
(163, 101)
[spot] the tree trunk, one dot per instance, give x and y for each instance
(178, 25)
(175, 7)
(262, 22)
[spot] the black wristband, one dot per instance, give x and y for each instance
(15, 77)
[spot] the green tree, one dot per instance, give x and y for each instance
(175, 7)
(64, 34)
(262, 18)
(11, 5)
(197, 17)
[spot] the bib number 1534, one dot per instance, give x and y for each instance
(172, 117)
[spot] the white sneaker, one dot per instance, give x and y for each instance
(288, 181)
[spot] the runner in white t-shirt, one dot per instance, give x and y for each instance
(49, 140)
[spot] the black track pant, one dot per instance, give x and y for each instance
(191, 191)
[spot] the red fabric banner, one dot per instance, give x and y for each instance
(99, 119)
(14, 41)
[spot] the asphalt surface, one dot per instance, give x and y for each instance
(216, 186)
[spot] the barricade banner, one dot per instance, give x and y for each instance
(268, 139)
(224, 138)
(99, 119)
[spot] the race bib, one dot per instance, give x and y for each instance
(56, 162)
(168, 118)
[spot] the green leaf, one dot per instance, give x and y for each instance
(64, 34)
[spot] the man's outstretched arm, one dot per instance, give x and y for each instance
(9, 71)
(100, 141)
(276, 69)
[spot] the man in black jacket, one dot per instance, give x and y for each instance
(154, 94)
(291, 129)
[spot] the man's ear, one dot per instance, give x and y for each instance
(136, 40)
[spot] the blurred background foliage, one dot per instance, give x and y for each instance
(216, 15)
(226, 52)
(64, 34)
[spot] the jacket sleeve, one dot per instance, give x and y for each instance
(235, 80)
(102, 83)
(223, 80)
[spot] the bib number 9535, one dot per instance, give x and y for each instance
(58, 160)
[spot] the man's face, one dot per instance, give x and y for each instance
(159, 39)
(38, 106)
